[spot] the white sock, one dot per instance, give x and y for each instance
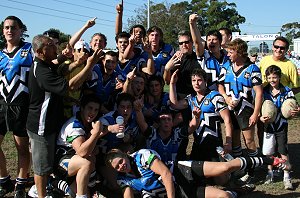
(286, 175)
(81, 196)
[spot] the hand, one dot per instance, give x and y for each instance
(94, 59)
(264, 119)
(68, 51)
(193, 18)
(96, 126)
(131, 75)
(253, 120)
(116, 128)
(227, 147)
(196, 112)
(174, 77)
(295, 111)
(132, 39)
(119, 84)
(119, 7)
(90, 23)
(138, 104)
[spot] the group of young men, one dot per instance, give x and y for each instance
(77, 106)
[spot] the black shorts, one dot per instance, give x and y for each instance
(189, 183)
(241, 121)
(63, 156)
(13, 118)
(281, 142)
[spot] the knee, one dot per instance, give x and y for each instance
(223, 194)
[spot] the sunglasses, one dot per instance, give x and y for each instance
(165, 118)
(185, 42)
(280, 47)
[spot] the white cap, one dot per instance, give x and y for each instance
(81, 43)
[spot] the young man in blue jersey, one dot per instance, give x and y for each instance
(15, 62)
(105, 81)
(212, 58)
(142, 172)
(240, 83)
(161, 51)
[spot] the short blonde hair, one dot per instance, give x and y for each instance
(240, 46)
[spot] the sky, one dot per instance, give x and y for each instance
(262, 16)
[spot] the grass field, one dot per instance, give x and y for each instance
(272, 190)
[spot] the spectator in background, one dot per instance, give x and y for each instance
(15, 62)
(289, 75)
(226, 36)
(54, 35)
(253, 58)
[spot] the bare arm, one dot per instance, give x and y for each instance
(119, 18)
(90, 23)
(181, 104)
(161, 169)
(79, 79)
(149, 69)
(257, 104)
(140, 119)
(127, 84)
(225, 114)
(84, 147)
(174, 61)
(194, 123)
(196, 35)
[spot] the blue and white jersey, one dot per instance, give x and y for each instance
(161, 59)
(103, 89)
(143, 179)
(212, 67)
(137, 61)
(167, 149)
(14, 73)
(72, 129)
(210, 107)
(280, 122)
(163, 105)
(239, 85)
(110, 140)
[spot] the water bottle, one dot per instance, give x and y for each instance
(226, 156)
(120, 121)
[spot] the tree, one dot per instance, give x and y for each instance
(216, 14)
(172, 18)
(291, 30)
(2, 39)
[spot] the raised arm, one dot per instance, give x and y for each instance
(181, 104)
(140, 119)
(84, 147)
(90, 23)
(196, 35)
(82, 76)
(119, 18)
(194, 123)
(175, 61)
(149, 67)
(127, 85)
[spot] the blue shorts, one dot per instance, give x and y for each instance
(43, 152)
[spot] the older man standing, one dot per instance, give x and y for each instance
(45, 117)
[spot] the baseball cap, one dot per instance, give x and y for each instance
(81, 43)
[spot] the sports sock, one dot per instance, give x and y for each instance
(237, 151)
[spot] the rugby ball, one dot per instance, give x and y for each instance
(287, 106)
(269, 109)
